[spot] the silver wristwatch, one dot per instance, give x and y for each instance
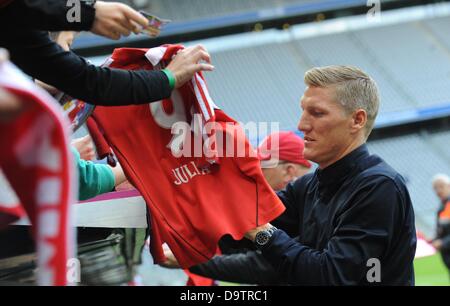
(89, 3)
(263, 237)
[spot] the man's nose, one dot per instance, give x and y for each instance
(303, 124)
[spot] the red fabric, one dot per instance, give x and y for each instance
(191, 208)
(36, 160)
(197, 280)
(4, 3)
(101, 146)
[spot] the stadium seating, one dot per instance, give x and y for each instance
(404, 84)
(438, 27)
(258, 84)
(194, 9)
(420, 66)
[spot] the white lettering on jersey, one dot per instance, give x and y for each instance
(187, 172)
(164, 120)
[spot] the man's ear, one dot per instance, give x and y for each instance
(359, 120)
(290, 172)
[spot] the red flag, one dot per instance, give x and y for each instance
(36, 160)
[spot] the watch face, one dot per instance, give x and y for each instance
(89, 2)
(262, 238)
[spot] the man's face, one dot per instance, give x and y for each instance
(281, 175)
(326, 126)
(442, 190)
(275, 177)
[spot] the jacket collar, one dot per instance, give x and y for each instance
(335, 173)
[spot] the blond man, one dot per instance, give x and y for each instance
(353, 217)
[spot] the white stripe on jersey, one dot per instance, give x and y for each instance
(200, 100)
(211, 103)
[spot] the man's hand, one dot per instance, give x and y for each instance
(171, 262)
(437, 244)
(251, 234)
(114, 19)
(49, 88)
(189, 61)
(119, 175)
(85, 147)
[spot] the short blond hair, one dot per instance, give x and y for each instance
(354, 89)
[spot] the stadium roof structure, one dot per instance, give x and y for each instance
(198, 19)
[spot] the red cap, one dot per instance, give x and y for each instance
(290, 148)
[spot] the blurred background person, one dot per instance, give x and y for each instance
(291, 165)
(93, 178)
(96, 178)
(441, 186)
(85, 146)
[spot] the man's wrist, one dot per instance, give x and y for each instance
(90, 3)
(252, 234)
(170, 77)
(264, 236)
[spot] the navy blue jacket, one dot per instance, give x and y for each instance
(354, 210)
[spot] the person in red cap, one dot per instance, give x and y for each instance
(282, 159)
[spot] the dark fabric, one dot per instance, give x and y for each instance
(446, 242)
(228, 245)
(38, 56)
(356, 209)
(443, 225)
(249, 267)
(49, 15)
(446, 258)
(240, 262)
(443, 233)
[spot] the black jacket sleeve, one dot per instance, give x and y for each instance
(363, 230)
(244, 268)
(41, 58)
(49, 15)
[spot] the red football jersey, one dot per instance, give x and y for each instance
(192, 205)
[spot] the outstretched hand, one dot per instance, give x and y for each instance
(114, 19)
(189, 61)
(171, 262)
